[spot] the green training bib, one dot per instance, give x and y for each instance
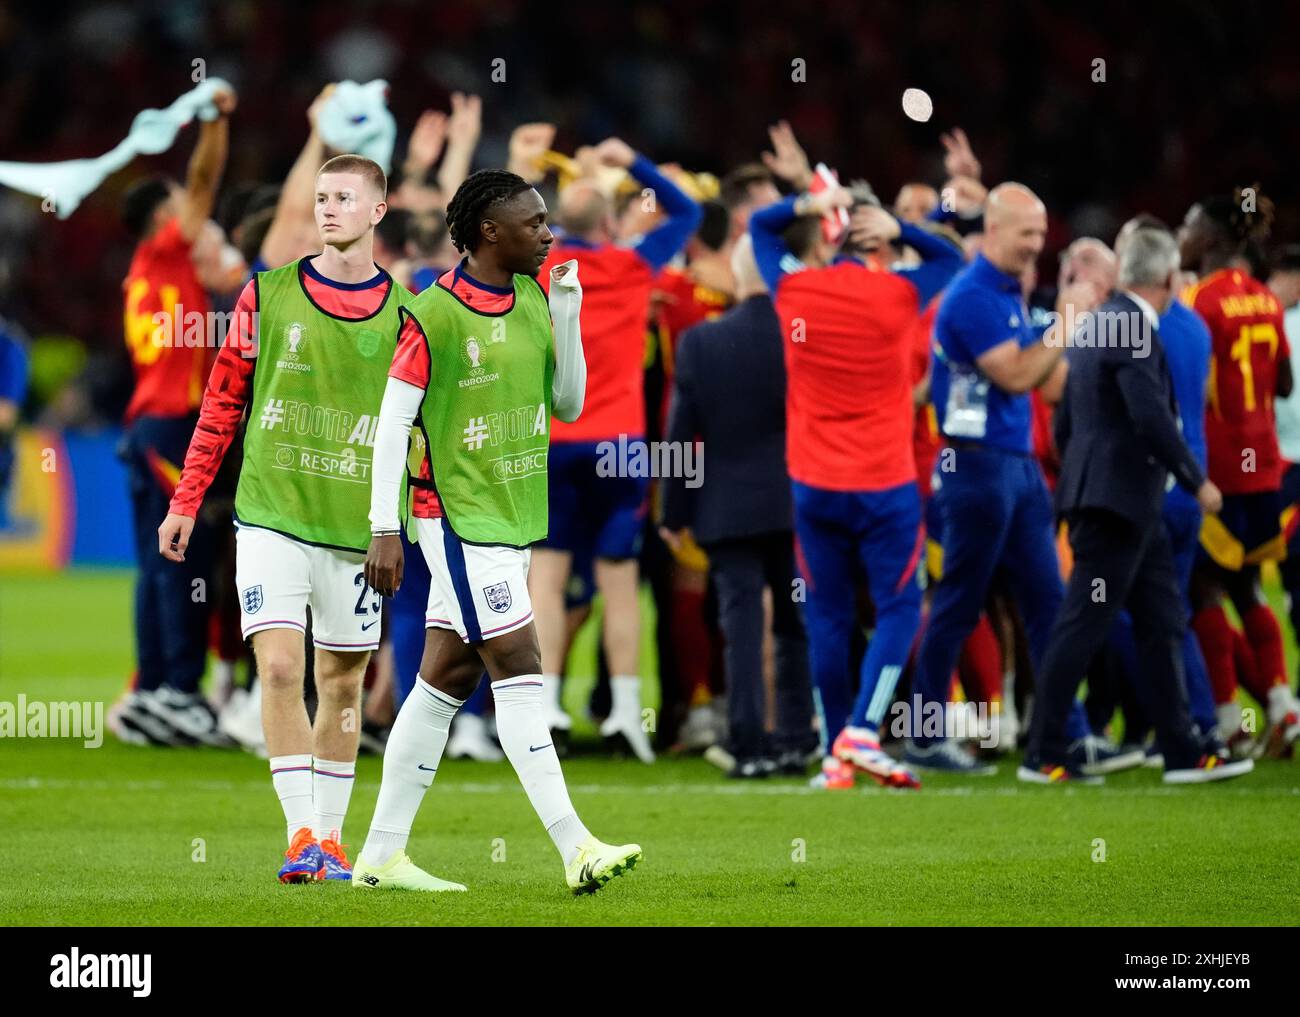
(312, 417)
(486, 414)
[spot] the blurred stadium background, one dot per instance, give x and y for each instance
(1196, 95)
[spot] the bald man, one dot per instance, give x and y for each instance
(1089, 260)
(1087, 275)
(995, 511)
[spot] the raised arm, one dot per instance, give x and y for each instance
(208, 161)
(872, 228)
(665, 241)
(463, 129)
(569, 385)
(767, 226)
(940, 260)
(293, 229)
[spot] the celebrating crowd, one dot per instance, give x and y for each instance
(865, 410)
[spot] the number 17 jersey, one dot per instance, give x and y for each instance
(1248, 343)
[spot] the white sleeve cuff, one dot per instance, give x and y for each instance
(569, 386)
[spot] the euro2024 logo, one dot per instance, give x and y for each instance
(474, 356)
(294, 334)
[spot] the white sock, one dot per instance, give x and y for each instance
(411, 757)
(527, 742)
(223, 679)
(551, 686)
(331, 783)
(291, 776)
(1009, 694)
(1229, 715)
(567, 835)
(625, 693)
(1280, 703)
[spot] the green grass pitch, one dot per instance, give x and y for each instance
(126, 836)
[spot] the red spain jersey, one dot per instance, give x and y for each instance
(849, 341)
(1245, 322)
(616, 285)
(170, 355)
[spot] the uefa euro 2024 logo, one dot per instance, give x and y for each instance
(294, 336)
(475, 355)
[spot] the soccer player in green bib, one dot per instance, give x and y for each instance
(308, 355)
(483, 361)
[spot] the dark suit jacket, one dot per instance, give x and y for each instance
(729, 392)
(1117, 428)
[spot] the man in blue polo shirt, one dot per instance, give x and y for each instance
(992, 501)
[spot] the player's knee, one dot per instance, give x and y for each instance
(546, 596)
(279, 671)
(342, 686)
(955, 616)
(460, 681)
(622, 624)
(617, 579)
(740, 597)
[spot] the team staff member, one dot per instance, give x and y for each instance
(1117, 429)
(991, 499)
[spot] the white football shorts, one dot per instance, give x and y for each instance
(479, 591)
(279, 577)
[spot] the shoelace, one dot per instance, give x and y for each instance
(335, 850)
(301, 841)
